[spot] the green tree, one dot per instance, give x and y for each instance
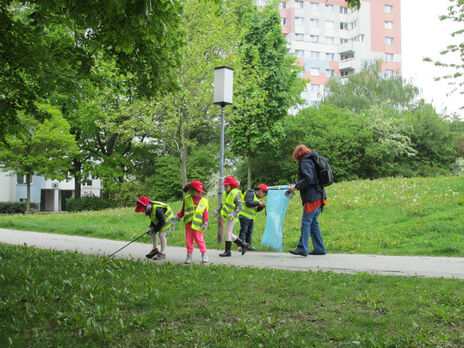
(182, 115)
(47, 46)
(366, 88)
(266, 85)
(41, 148)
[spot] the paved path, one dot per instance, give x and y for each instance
(423, 266)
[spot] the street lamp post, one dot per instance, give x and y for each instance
(223, 95)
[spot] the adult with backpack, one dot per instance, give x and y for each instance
(313, 174)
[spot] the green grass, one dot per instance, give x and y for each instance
(66, 299)
(393, 216)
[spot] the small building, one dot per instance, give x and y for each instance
(51, 195)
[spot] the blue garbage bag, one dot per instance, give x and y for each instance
(276, 207)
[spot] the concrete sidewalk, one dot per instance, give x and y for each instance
(422, 266)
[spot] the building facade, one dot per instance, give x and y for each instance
(330, 39)
(51, 195)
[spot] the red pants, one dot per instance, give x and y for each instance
(192, 235)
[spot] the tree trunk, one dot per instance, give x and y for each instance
(249, 171)
(183, 164)
(28, 199)
(77, 180)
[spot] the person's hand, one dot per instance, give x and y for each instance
(204, 226)
(175, 219)
(262, 204)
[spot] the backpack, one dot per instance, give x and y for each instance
(324, 172)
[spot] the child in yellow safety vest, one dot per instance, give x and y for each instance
(229, 209)
(252, 204)
(195, 214)
(162, 221)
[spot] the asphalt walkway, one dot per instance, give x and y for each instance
(422, 266)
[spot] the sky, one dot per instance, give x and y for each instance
(424, 35)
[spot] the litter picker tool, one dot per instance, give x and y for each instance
(144, 233)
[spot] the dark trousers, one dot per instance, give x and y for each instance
(246, 230)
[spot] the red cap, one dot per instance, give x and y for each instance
(262, 187)
(230, 180)
(197, 185)
(142, 202)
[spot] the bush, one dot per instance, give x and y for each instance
(90, 203)
(16, 207)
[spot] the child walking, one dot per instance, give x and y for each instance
(229, 209)
(162, 221)
(195, 214)
(248, 213)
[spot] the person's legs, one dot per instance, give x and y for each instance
(229, 228)
(155, 250)
(198, 235)
(249, 232)
(243, 228)
(189, 238)
(303, 244)
(316, 235)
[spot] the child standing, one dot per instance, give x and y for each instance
(247, 215)
(162, 221)
(229, 209)
(195, 214)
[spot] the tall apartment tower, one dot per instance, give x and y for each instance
(330, 39)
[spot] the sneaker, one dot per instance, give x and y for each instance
(159, 256)
(251, 247)
(204, 258)
(152, 253)
(188, 260)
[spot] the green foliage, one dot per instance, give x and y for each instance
(15, 207)
(46, 47)
(266, 84)
(94, 301)
(368, 88)
(90, 203)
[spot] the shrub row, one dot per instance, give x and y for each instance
(15, 207)
(90, 203)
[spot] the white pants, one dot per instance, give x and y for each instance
(230, 236)
(162, 237)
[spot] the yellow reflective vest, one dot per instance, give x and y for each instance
(168, 215)
(195, 215)
(249, 212)
(228, 202)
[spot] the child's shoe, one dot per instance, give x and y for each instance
(188, 260)
(251, 247)
(159, 256)
(152, 253)
(204, 258)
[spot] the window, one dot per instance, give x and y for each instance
(388, 57)
(330, 56)
(343, 10)
(314, 71)
(314, 22)
(329, 24)
(343, 26)
(388, 73)
(314, 88)
(299, 20)
(314, 6)
(314, 38)
(388, 41)
(299, 4)
(329, 8)
(343, 41)
(388, 8)
(22, 179)
(329, 72)
(282, 4)
(88, 182)
(283, 21)
(354, 24)
(299, 53)
(345, 56)
(260, 3)
(314, 55)
(299, 36)
(329, 40)
(358, 38)
(344, 73)
(388, 25)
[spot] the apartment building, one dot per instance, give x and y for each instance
(330, 39)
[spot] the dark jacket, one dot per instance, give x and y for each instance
(161, 219)
(310, 191)
(250, 202)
